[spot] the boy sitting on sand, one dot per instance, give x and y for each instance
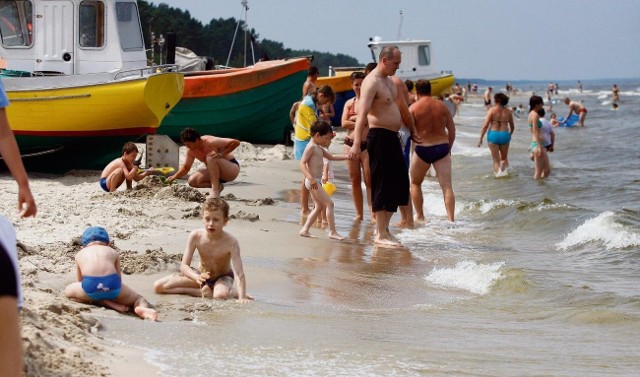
(220, 262)
(312, 165)
(122, 169)
(100, 277)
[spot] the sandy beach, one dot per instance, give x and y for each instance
(148, 225)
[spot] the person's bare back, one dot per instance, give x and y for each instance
(431, 118)
(115, 164)
(97, 260)
(210, 144)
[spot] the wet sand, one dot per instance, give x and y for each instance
(149, 226)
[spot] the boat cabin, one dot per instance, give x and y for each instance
(417, 60)
(71, 37)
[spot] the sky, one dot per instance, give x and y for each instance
(551, 40)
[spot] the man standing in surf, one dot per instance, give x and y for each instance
(384, 111)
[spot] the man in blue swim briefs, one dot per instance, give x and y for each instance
(384, 110)
(434, 125)
(100, 277)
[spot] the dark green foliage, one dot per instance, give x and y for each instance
(215, 38)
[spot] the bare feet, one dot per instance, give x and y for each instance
(336, 236)
(386, 242)
(306, 234)
(358, 218)
(146, 313)
(207, 292)
(401, 224)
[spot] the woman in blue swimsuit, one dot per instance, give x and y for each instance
(540, 158)
(499, 122)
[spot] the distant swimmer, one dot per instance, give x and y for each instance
(615, 93)
(578, 109)
(487, 98)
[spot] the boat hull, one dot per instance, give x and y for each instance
(248, 104)
(94, 118)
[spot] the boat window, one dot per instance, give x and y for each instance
(129, 26)
(91, 25)
(16, 23)
(424, 55)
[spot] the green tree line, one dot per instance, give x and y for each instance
(215, 38)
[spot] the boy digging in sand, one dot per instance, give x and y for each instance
(100, 277)
(220, 262)
(122, 169)
(312, 165)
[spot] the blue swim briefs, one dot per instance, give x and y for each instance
(102, 287)
(103, 184)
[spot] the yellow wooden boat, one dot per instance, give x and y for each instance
(48, 118)
(80, 87)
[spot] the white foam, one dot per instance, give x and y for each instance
(487, 206)
(462, 149)
(468, 276)
(602, 228)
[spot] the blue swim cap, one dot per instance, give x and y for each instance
(93, 234)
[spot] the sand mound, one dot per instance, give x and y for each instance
(247, 152)
(151, 261)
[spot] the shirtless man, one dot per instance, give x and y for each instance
(487, 98)
(100, 277)
(220, 262)
(310, 84)
(434, 125)
(215, 152)
(578, 108)
(384, 111)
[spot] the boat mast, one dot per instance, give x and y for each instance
(245, 27)
(400, 27)
(245, 8)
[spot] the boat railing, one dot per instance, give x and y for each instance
(145, 71)
(334, 70)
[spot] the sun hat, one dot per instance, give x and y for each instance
(93, 234)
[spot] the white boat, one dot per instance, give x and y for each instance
(417, 63)
(77, 77)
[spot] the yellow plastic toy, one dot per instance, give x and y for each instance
(329, 187)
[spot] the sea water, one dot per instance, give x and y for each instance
(534, 278)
